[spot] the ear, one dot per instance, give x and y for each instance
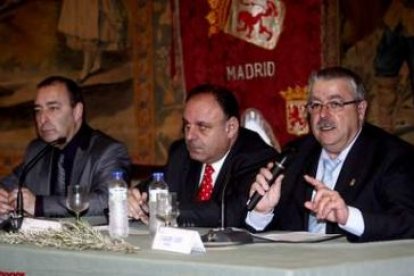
(362, 108)
(78, 112)
(232, 127)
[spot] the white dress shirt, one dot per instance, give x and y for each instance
(216, 166)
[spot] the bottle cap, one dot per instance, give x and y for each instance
(157, 176)
(117, 174)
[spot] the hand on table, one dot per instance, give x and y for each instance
(138, 205)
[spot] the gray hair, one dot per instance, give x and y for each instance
(337, 72)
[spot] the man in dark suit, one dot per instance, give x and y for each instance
(349, 177)
(214, 139)
(87, 156)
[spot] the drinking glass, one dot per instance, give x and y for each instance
(77, 199)
(167, 209)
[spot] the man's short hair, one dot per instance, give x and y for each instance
(225, 98)
(75, 92)
(338, 72)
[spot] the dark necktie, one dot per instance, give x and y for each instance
(61, 183)
(206, 187)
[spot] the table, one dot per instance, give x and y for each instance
(334, 257)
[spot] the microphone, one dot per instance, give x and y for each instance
(277, 170)
(223, 234)
(18, 218)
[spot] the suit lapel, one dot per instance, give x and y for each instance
(45, 172)
(39, 178)
(355, 168)
(310, 167)
(82, 154)
(79, 163)
(190, 186)
(227, 169)
(224, 173)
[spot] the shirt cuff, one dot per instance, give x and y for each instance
(258, 220)
(355, 223)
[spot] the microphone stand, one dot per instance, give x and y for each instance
(17, 219)
(226, 235)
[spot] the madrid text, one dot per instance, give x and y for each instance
(249, 71)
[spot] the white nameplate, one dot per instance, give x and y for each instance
(178, 240)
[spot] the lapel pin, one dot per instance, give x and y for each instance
(352, 183)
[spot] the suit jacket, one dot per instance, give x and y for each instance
(246, 157)
(377, 177)
(94, 161)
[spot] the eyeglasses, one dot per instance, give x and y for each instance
(334, 105)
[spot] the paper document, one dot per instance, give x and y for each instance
(132, 230)
(294, 237)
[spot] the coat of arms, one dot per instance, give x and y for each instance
(258, 22)
(296, 116)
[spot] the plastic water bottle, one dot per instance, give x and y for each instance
(157, 186)
(118, 206)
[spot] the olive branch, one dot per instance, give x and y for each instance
(74, 236)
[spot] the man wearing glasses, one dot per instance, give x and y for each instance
(348, 177)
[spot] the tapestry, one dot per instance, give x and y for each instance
(88, 41)
(263, 50)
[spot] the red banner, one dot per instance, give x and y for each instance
(264, 50)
